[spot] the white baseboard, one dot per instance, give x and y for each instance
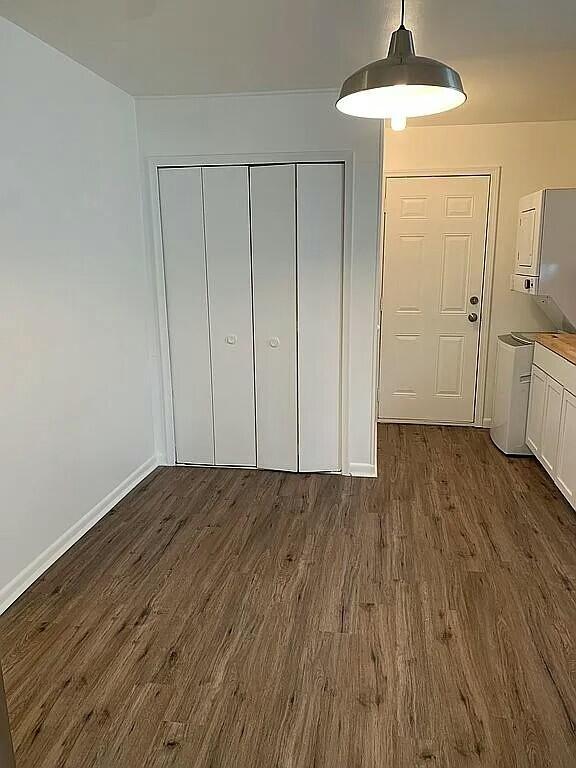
(39, 565)
(363, 470)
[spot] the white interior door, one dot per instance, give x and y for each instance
(187, 305)
(320, 249)
(434, 253)
(273, 214)
(229, 273)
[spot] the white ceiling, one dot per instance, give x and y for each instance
(517, 57)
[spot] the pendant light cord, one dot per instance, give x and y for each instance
(402, 16)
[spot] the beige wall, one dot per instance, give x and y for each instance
(531, 156)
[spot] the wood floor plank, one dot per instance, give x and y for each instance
(245, 619)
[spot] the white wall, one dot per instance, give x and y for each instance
(294, 122)
(531, 156)
(74, 374)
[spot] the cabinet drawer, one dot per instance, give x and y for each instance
(556, 366)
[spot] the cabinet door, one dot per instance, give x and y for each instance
(526, 244)
(229, 272)
(273, 211)
(536, 410)
(566, 462)
(187, 306)
(551, 425)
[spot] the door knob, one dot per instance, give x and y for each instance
(473, 317)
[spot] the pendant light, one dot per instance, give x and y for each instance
(401, 85)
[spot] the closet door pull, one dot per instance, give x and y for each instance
(232, 339)
(274, 342)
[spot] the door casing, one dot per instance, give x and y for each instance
(163, 415)
(493, 173)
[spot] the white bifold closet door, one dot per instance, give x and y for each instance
(273, 207)
(229, 273)
(187, 305)
(253, 272)
(320, 189)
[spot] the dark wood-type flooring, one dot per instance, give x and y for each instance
(231, 618)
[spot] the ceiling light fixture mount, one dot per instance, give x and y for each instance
(402, 85)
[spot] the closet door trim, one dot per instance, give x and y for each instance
(163, 412)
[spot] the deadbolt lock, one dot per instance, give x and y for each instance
(474, 299)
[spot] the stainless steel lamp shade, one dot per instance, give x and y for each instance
(401, 85)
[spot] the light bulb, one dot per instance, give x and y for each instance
(398, 122)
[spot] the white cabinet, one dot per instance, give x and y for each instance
(536, 410)
(566, 462)
(551, 426)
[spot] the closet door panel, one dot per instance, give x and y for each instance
(272, 191)
(227, 228)
(320, 249)
(187, 306)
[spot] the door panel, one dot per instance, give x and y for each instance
(408, 283)
(551, 424)
(227, 227)
(187, 305)
(320, 249)
(566, 468)
(460, 206)
(273, 202)
(449, 366)
(536, 410)
(406, 352)
(435, 244)
(455, 271)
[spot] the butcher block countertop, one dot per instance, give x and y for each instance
(564, 344)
